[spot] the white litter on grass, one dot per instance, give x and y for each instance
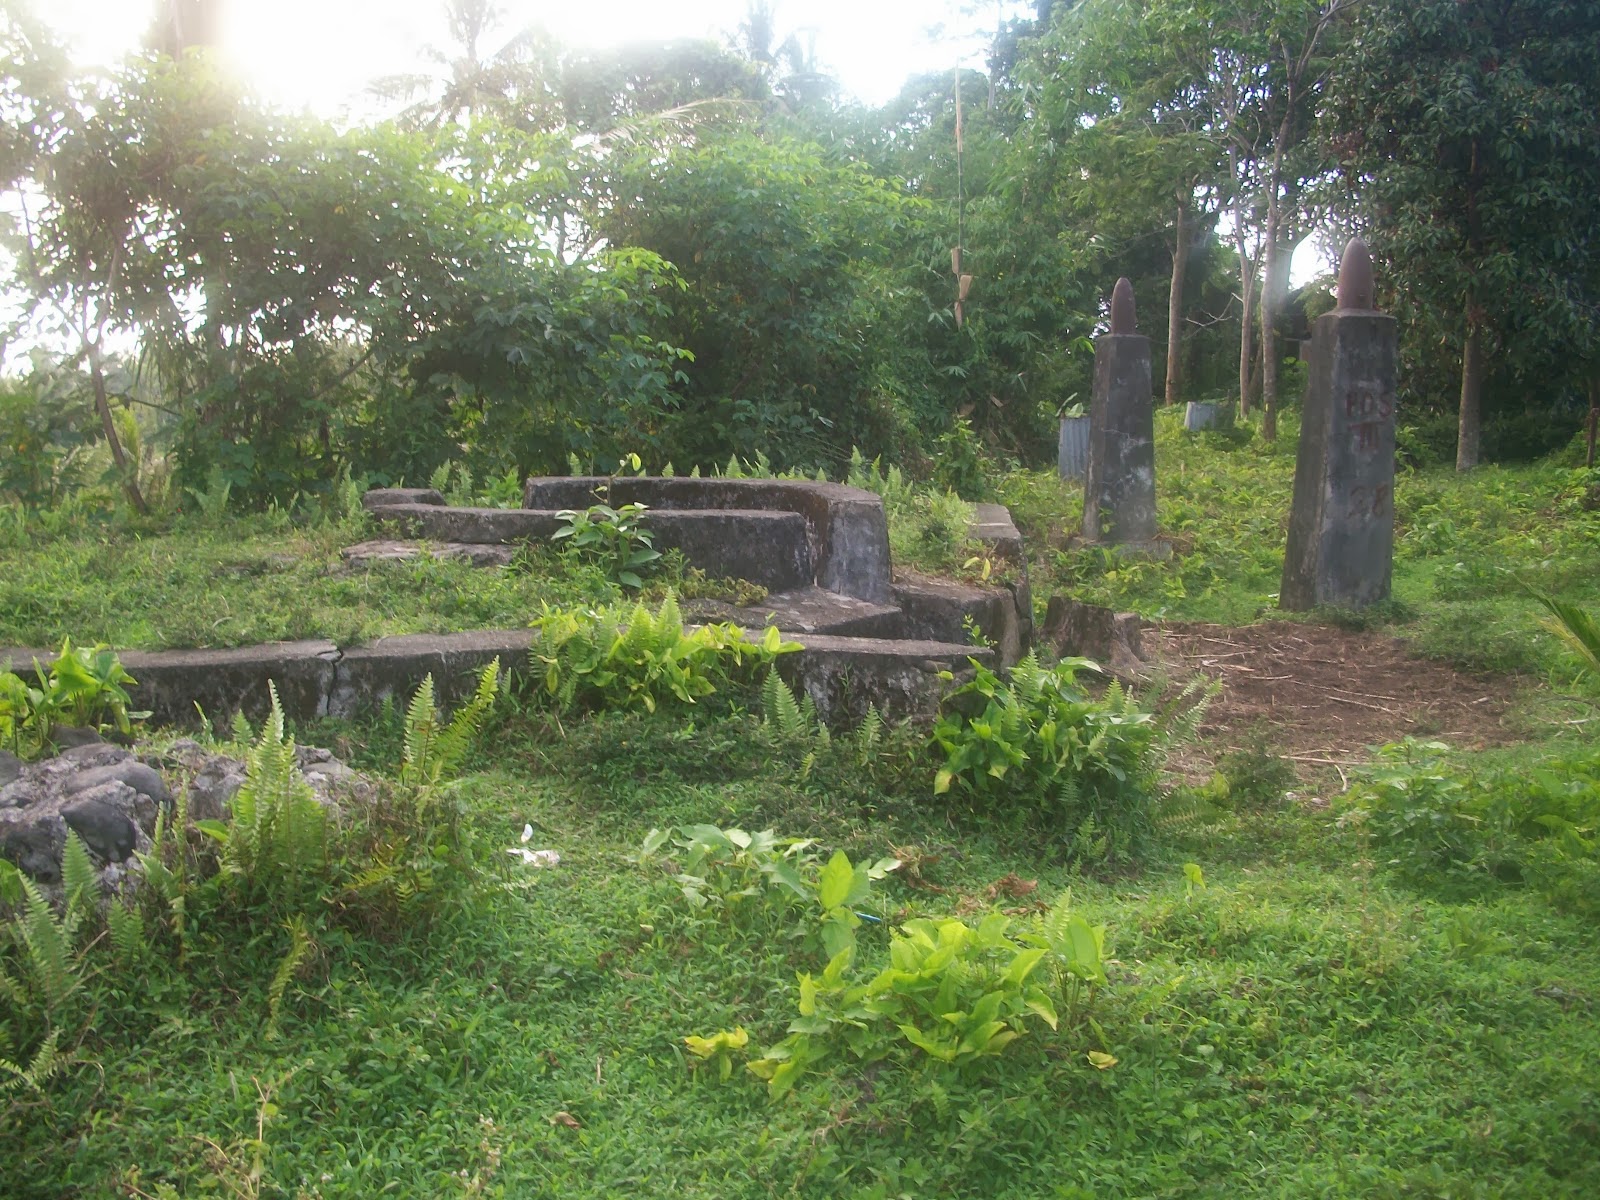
(533, 858)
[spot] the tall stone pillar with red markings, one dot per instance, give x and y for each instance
(1341, 528)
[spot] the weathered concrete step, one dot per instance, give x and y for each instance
(771, 548)
(843, 675)
(900, 678)
(366, 554)
(947, 611)
(805, 610)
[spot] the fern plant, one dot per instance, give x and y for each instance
(1579, 630)
(51, 968)
(167, 870)
(794, 722)
(275, 849)
(415, 838)
(300, 948)
(433, 747)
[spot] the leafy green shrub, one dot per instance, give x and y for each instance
(614, 537)
(619, 658)
(1254, 775)
(1442, 827)
(725, 868)
(958, 462)
(47, 429)
(84, 687)
(457, 484)
(1084, 769)
(954, 991)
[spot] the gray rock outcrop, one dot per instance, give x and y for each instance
(111, 796)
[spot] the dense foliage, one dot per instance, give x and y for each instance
(691, 252)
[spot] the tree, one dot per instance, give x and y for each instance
(778, 245)
(1469, 136)
(182, 25)
(516, 81)
(1124, 115)
(315, 300)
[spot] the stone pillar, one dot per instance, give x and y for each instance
(1341, 528)
(1119, 495)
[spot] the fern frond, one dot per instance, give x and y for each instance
(1181, 813)
(300, 947)
(1577, 628)
(46, 1061)
(126, 927)
(421, 727)
(278, 836)
(782, 709)
(14, 992)
(456, 739)
(49, 948)
(80, 881)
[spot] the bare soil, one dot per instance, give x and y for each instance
(1326, 695)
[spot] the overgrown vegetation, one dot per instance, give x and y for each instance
(1464, 830)
(83, 688)
(542, 1027)
(1040, 749)
(621, 658)
(1019, 957)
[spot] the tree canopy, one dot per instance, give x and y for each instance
(691, 251)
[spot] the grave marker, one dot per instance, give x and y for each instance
(1119, 496)
(1341, 527)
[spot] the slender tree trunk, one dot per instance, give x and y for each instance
(1594, 417)
(1180, 265)
(1470, 425)
(1274, 287)
(1247, 313)
(130, 477)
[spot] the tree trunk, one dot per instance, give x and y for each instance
(1470, 426)
(1180, 264)
(1247, 311)
(1594, 417)
(130, 478)
(1275, 285)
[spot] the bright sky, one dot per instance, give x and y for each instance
(321, 53)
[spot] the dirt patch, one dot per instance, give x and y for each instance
(1325, 694)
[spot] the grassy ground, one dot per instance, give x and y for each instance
(1296, 1027)
(256, 579)
(1300, 1025)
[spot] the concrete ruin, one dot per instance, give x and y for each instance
(822, 551)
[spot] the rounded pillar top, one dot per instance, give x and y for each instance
(1122, 320)
(1356, 287)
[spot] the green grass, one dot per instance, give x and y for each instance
(1302, 1025)
(1464, 546)
(257, 579)
(1298, 1027)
